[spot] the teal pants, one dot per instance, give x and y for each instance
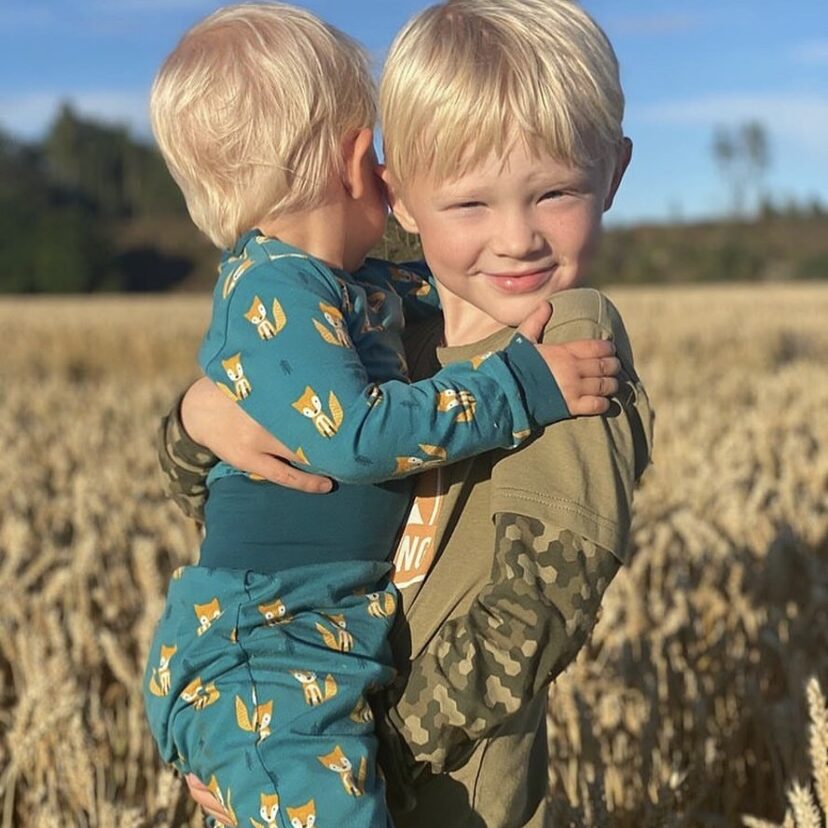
(257, 684)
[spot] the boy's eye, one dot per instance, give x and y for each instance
(552, 194)
(467, 205)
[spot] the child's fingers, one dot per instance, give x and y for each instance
(278, 471)
(598, 386)
(589, 406)
(601, 367)
(590, 348)
(532, 327)
(207, 801)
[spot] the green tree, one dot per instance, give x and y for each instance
(88, 160)
(102, 165)
(51, 240)
(743, 156)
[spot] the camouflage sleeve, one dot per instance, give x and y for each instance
(525, 626)
(185, 465)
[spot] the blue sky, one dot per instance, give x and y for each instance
(686, 67)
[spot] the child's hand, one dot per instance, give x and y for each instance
(215, 421)
(584, 369)
(207, 800)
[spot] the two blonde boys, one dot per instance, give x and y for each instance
(506, 217)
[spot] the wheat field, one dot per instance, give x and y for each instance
(692, 704)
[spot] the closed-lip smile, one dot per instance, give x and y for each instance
(519, 274)
(521, 282)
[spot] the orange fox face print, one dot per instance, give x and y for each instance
(302, 816)
(256, 315)
(310, 405)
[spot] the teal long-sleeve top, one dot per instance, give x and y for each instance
(315, 355)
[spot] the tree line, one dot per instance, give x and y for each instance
(62, 199)
(89, 208)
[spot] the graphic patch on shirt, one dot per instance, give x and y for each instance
(417, 547)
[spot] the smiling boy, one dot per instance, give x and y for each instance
(507, 217)
(514, 550)
(512, 231)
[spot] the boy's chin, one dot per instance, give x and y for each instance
(512, 311)
(512, 314)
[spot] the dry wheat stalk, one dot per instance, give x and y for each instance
(688, 700)
(818, 742)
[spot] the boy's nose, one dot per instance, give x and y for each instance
(516, 237)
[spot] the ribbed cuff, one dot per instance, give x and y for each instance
(544, 402)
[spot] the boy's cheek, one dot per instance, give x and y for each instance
(583, 253)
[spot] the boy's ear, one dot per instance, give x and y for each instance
(358, 162)
(621, 164)
(397, 203)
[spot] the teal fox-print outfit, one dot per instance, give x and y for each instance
(316, 357)
(259, 686)
(261, 667)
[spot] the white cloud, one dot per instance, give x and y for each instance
(800, 118)
(28, 116)
(811, 53)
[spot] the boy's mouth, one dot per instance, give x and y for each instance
(525, 282)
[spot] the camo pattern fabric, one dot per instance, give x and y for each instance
(185, 465)
(526, 625)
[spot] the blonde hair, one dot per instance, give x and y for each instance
(466, 78)
(250, 110)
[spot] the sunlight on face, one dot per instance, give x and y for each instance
(506, 235)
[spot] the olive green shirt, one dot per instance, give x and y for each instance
(522, 545)
(501, 567)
